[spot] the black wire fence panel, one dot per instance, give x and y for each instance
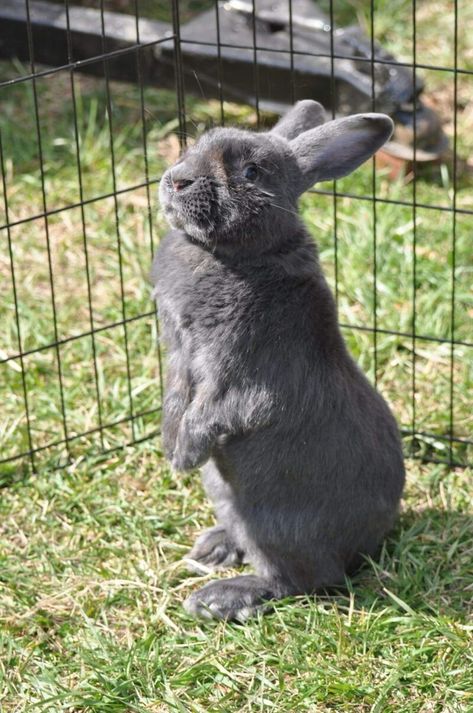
(81, 158)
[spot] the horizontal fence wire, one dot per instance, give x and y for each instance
(317, 191)
(423, 443)
(70, 438)
(325, 55)
(81, 64)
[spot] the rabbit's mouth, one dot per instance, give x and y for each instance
(191, 206)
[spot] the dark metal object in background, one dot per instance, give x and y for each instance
(321, 54)
(241, 50)
(299, 55)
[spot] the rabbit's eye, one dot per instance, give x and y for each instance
(251, 172)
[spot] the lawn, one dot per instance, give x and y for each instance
(91, 579)
(91, 616)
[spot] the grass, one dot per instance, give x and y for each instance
(91, 580)
(91, 617)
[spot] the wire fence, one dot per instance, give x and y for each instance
(80, 372)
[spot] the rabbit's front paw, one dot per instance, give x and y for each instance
(187, 458)
(174, 409)
(192, 448)
(168, 440)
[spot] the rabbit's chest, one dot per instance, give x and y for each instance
(216, 312)
(213, 302)
(214, 308)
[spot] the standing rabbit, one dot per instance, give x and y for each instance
(299, 454)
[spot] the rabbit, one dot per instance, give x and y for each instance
(299, 454)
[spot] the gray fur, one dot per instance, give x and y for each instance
(308, 115)
(351, 140)
(299, 454)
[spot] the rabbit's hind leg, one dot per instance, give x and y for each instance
(218, 547)
(214, 549)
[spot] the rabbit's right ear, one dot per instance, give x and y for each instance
(338, 147)
(304, 115)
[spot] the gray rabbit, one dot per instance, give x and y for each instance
(299, 454)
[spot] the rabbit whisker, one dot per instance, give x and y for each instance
(286, 210)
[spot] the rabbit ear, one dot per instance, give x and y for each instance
(338, 147)
(302, 116)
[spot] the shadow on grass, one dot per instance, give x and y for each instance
(424, 566)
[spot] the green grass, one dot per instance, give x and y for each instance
(91, 616)
(91, 581)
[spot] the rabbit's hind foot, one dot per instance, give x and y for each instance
(234, 599)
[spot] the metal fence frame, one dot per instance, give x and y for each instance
(135, 53)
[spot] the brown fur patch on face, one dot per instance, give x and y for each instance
(215, 157)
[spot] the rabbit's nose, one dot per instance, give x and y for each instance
(180, 183)
(182, 176)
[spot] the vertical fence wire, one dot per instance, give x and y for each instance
(374, 205)
(333, 101)
(144, 138)
(84, 231)
(179, 73)
(117, 219)
(414, 230)
(454, 229)
(46, 228)
(291, 54)
(139, 74)
(17, 309)
(219, 63)
(255, 62)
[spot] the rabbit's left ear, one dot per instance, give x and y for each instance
(336, 148)
(302, 116)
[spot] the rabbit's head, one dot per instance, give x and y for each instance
(238, 190)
